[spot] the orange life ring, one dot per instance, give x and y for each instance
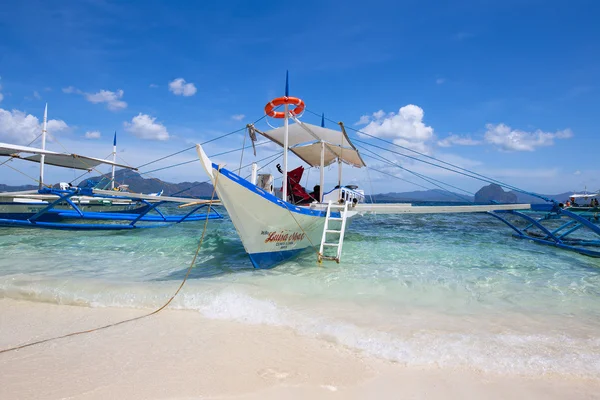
(279, 101)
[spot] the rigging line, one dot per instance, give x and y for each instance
(276, 157)
(485, 178)
(185, 278)
(10, 158)
(242, 156)
(77, 157)
(397, 177)
(445, 193)
(203, 143)
(245, 166)
(23, 173)
(423, 161)
(36, 138)
(79, 177)
(169, 166)
(170, 155)
(151, 177)
(196, 159)
(370, 184)
(201, 183)
(425, 178)
(420, 175)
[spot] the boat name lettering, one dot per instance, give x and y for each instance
(279, 237)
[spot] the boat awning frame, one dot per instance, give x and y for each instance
(65, 160)
(305, 142)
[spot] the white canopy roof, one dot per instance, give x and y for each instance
(584, 195)
(305, 141)
(53, 158)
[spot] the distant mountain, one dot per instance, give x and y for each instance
(139, 184)
(443, 196)
(423, 195)
(494, 193)
(7, 188)
(528, 199)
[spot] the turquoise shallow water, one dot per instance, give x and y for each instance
(448, 290)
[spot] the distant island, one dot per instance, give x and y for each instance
(138, 184)
(486, 195)
(495, 193)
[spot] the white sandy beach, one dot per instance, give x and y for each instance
(182, 355)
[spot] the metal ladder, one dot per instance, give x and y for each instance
(326, 230)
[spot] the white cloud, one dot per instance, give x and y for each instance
(406, 127)
(439, 81)
(238, 117)
(20, 128)
(459, 140)
(71, 89)
(145, 127)
(378, 114)
(112, 99)
(510, 139)
(364, 119)
(1, 96)
(36, 95)
(93, 135)
(57, 125)
(181, 88)
(577, 172)
(153, 86)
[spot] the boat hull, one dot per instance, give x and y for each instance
(272, 230)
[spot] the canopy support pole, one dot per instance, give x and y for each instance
(43, 156)
(322, 170)
(285, 153)
(339, 178)
(254, 173)
(114, 159)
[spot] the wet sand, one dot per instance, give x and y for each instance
(183, 355)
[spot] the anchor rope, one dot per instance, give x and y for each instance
(165, 305)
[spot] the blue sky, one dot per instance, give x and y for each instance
(506, 88)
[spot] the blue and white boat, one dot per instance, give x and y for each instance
(274, 225)
(71, 208)
(276, 228)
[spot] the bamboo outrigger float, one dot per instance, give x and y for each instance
(558, 226)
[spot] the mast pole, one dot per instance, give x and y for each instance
(322, 179)
(285, 154)
(43, 156)
(285, 139)
(114, 158)
(339, 178)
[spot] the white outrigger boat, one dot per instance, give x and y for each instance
(57, 208)
(276, 228)
(583, 202)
